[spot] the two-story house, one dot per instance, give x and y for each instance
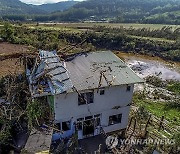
(87, 92)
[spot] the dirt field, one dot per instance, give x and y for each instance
(81, 26)
(11, 65)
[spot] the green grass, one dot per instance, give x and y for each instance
(159, 109)
(52, 27)
(153, 39)
(174, 87)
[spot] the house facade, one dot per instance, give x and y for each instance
(88, 93)
(107, 107)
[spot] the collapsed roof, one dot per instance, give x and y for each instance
(81, 72)
(49, 76)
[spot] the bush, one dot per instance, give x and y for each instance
(7, 32)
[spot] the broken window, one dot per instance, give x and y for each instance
(81, 99)
(86, 98)
(58, 126)
(80, 119)
(90, 97)
(79, 125)
(89, 117)
(128, 88)
(66, 125)
(102, 91)
(115, 119)
(97, 120)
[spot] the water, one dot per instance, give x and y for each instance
(145, 66)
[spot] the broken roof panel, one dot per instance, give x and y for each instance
(99, 69)
(52, 73)
(39, 141)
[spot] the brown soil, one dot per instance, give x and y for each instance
(9, 66)
(7, 48)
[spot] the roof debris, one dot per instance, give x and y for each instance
(39, 141)
(49, 75)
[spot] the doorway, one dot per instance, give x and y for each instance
(88, 128)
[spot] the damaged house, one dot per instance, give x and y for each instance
(88, 92)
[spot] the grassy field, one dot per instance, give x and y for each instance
(54, 27)
(154, 39)
(50, 36)
(159, 109)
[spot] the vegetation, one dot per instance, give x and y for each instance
(19, 11)
(131, 10)
(37, 111)
(164, 42)
(2, 85)
(116, 11)
(177, 138)
(163, 115)
(19, 111)
(10, 7)
(174, 87)
(158, 109)
(8, 32)
(171, 85)
(11, 112)
(5, 134)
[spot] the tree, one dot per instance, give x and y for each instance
(8, 32)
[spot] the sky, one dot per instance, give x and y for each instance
(38, 2)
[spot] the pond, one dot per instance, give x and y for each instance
(145, 66)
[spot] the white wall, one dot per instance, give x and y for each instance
(66, 106)
(125, 114)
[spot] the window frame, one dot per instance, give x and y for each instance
(128, 88)
(114, 122)
(87, 98)
(67, 125)
(102, 92)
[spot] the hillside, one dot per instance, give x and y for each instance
(8, 7)
(16, 7)
(115, 11)
(61, 6)
(124, 11)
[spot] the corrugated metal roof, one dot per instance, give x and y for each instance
(50, 71)
(85, 71)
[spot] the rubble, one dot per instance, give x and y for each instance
(39, 141)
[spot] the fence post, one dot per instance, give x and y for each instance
(161, 123)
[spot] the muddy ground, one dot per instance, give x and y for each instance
(9, 66)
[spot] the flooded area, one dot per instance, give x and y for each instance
(147, 66)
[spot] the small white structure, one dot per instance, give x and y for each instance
(88, 92)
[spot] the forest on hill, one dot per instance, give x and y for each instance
(16, 7)
(11, 7)
(142, 11)
(115, 11)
